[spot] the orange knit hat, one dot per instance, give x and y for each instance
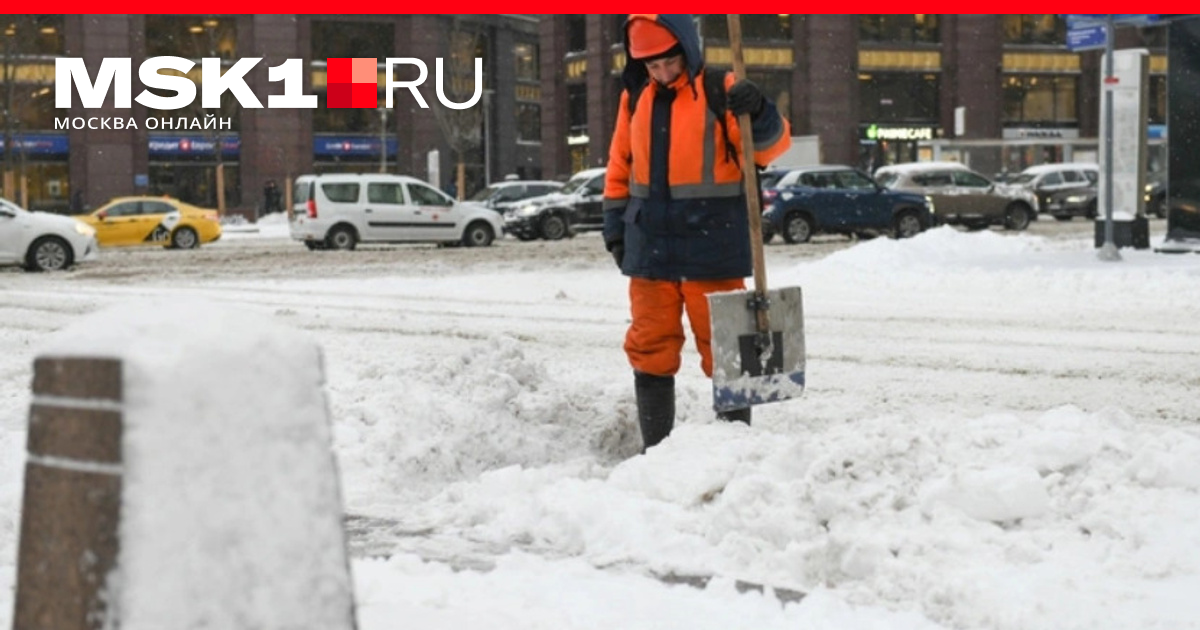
(648, 38)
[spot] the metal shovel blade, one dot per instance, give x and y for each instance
(747, 368)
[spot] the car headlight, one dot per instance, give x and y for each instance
(929, 202)
(1076, 199)
(527, 211)
(84, 229)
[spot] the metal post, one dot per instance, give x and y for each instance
(487, 138)
(1108, 252)
(383, 114)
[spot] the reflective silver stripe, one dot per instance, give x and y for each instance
(67, 402)
(706, 172)
(766, 144)
(609, 204)
(75, 465)
(692, 191)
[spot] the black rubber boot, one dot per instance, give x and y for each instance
(656, 406)
(735, 415)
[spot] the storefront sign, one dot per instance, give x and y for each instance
(876, 132)
(39, 144)
(347, 146)
(197, 146)
(1049, 133)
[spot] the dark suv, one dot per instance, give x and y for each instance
(840, 199)
(576, 206)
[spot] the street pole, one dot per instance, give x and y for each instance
(487, 138)
(383, 114)
(1108, 252)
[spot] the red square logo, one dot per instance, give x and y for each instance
(352, 82)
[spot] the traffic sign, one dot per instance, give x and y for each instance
(1087, 38)
(1075, 21)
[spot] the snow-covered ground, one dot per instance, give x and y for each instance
(999, 431)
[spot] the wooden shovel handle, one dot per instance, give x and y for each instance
(750, 180)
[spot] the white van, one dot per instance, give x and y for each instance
(341, 210)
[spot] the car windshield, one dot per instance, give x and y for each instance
(770, 178)
(8, 205)
(484, 194)
(573, 184)
(1023, 178)
(887, 180)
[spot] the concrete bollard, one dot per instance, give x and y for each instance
(72, 495)
(181, 475)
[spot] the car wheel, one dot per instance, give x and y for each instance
(797, 228)
(908, 224)
(184, 238)
(49, 253)
(1158, 207)
(553, 227)
(478, 234)
(1017, 217)
(341, 237)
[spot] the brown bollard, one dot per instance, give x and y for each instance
(72, 498)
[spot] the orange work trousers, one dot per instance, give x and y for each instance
(655, 338)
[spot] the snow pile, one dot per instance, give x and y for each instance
(230, 513)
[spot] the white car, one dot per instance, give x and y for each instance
(341, 210)
(40, 241)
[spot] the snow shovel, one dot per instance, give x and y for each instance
(757, 336)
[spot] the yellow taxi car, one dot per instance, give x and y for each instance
(153, 221)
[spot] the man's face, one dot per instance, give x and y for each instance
(665, 70)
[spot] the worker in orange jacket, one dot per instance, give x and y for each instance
(675, 215)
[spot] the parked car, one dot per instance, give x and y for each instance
(962, 196)
(1065, 205)
(501, 196)
(840, 199)
(577, 206)
(163, 221)
(1156, 195)
(341, 210)
(41, 241)
(1064, 190)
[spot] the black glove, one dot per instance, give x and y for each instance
(745, 98)
(617, 249)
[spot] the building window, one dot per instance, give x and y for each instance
(755, 27)
(353, 39)
(576, 33)
(776, 86)
(1154, 37)
(1040, 99)
(1036, 30)
(1158, 99)
(898, 97)
(354, 120)
(903, 29)
(191, 37)
(577, 119)
(525, 57)
(529, 122)
(32, 34)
